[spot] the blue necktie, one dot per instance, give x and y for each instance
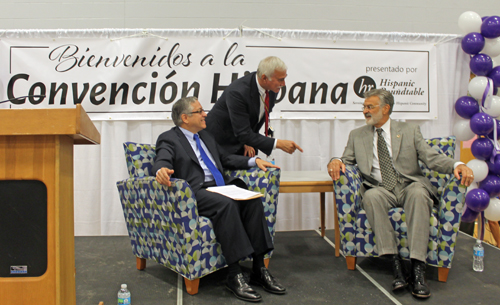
(219, 180)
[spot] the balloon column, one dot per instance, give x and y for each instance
(480, 114)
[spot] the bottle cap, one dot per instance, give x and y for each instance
(124, 286)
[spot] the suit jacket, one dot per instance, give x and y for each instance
(174, 152)
(408, 146)
(234, 119)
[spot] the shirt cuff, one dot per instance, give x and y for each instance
(251, 162)
(335, 158)
(275, 141)
(457, 164)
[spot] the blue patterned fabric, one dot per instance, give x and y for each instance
(357, 236)
(163, 222)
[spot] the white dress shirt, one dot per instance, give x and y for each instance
(262, 109)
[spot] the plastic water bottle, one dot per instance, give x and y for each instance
(478, 264)
(270, 159)
(124, 295)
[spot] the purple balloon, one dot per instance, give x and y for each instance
(481, 124)
(484, 18)
(490, 135)
(466, 107)
(491, 185)
(469, 215)
(495, 76)
(495, 166)
(482, 148)
(481, 64)
(473, 43)
(477, 200)
(490, 28)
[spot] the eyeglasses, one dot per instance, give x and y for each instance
(198, 112)
(369, 107)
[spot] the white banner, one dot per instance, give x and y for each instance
(140, 78)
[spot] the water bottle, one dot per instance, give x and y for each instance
(270, 159)
(124, 295)
(478, 264)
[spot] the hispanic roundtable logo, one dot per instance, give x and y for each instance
(397, 88)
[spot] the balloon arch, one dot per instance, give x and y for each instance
(480, 115)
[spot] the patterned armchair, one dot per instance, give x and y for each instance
(163, 222)
(358, 239)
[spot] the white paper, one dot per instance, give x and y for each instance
(234, 192)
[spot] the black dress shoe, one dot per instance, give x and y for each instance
(419, 287)
(399, 281)
(267, 281)
(239, 286)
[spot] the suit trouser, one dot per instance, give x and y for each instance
(240, 226)
(417, 204)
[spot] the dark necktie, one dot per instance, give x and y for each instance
(266, 112)
(219, 180)
(387, 170)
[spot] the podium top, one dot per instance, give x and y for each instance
(73, 122)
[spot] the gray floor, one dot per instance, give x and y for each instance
(303, 261)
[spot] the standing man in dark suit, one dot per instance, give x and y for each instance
(242, 109)
(387, 154)
(191, 153)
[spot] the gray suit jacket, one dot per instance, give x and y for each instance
(408, 146)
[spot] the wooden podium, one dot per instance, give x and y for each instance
(36, 145)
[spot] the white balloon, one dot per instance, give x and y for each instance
(472, 186)
(492, 212)
(477, 85)
(491, 47)
(479, 168)
(462, 130)
(494, 109)
(496, 61)
(470, 22)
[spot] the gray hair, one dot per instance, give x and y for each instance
(182, 106)
(386, 97)
(268, 65)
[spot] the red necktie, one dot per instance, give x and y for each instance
(266, 113)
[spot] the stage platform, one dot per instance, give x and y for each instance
(303, 261)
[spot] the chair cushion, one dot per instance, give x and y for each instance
(140, 159)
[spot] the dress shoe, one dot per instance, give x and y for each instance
(267, 281)
(239, 286)
(399, 281)
(419, 287)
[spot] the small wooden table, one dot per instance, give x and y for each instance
(313, 182)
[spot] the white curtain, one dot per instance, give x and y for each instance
(97, 168)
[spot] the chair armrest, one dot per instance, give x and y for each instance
(258, 180)
(148, 205)
(348, 191)
(451, 203)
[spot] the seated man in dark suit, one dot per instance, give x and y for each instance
(188, 152)
(240, 112)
